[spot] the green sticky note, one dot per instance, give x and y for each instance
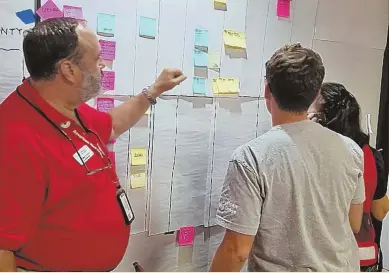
(200, 58)
(106, 24)
(147, 27)
(201, 38)
(198, 85)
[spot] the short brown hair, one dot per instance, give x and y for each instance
(294, 75)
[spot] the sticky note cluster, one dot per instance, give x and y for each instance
(234, 39)
(225, 86)
(49, 10)
(200, 60)
(186, 236)
(108, 80)
(106, 24)
(108, 50)
(147, 27)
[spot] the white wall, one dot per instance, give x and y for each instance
(350, 35)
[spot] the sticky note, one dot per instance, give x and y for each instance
(200, 58)
(108, 50)
(199, 85)
(72, 12)
(220, 4)
(201, 38)
(148, 111)
(106, 24)
(225, 86)
(112, 156)
(138, 156)
(108, 80)
(214, 60)
(186, 236)
(137, 179)
(147, 27)
(82, 22)
(223, 2)
(283, 8)
(105, 104)
(49, 10)
(26, 16)
(234, 39)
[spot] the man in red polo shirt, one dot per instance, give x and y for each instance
(61, 206)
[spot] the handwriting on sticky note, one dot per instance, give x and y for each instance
(283, 8)
(106, 24)
(199, 85)
(108, 80)
(201, 38)
(72, 12)
(225, 86)
(234, 39)
(26, 16)
(214, 60)
(138, 179)
(147, 27)
(105, 104)
(200, 58)
(108, 50)
(186, 236)
(49, 10)
(138, 156)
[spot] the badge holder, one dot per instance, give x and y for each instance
(125, 205)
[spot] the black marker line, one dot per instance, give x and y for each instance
(9, 49)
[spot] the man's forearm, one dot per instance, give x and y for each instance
(7, 261)
(226, 260)
(129, 113)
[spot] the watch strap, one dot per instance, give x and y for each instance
(147, 94)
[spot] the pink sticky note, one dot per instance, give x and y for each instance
(108, 50)
(108, 80)
(105, 104)
(283, 8)
(72, 12)
(186, 236)
(49, 10)
(83, 22)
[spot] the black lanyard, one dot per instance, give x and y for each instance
(58, 128)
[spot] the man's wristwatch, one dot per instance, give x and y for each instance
(147, 94)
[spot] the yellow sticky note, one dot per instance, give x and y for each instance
(223, 2)
(138, 179)
(138, 156)
(148, 111)
(225, 86)
(234, 39)
(214, 60)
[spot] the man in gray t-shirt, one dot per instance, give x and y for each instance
(293, 197)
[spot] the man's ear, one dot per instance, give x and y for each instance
(68, 71)
(267, 92)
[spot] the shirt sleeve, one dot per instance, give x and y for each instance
(382, 177)
(240, 203)
(100, 122)
(359, 194)
(22, 190)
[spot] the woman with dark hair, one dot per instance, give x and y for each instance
(338, 110)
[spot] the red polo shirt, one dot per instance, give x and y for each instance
(54, 216)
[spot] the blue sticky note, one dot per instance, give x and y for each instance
(26, 16)
(200, 58)
(201, 38)
(198, 85)
(147, 27)
(106, 24)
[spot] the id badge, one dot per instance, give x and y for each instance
(125, 205)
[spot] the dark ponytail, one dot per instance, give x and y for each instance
(342, 112)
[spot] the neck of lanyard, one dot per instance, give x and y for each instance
(83, 139)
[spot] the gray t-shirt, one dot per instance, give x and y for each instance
(292, 188)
